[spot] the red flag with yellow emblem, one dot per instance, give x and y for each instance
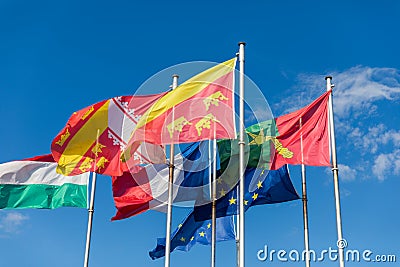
(75, 149)
(200, 108)
(303, 136)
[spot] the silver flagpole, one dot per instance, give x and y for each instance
(237, 234)
(335, 172)
(305, 214)
(91, 206)
(170, 187)
(214, 198)
(241, 153)
(304, 199)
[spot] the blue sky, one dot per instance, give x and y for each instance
(58, 57)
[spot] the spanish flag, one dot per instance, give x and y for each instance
(75, 147)
(200, 108)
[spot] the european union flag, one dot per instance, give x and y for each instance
(191, 232)
(261, 187)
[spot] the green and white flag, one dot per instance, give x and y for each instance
(34, 183)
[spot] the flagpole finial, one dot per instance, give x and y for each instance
(328, 77)
(242, 43)
(175, 75)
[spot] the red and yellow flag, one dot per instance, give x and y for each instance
(200, 108)
(303, 136)
(75, 149)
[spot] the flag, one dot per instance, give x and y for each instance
(303, 136)
(300, 137)
(191, 232)
(75, 149)
(146, 187)
(34, 183)
(261, 187)
(200, 108)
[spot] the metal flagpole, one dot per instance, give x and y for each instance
(304, 199)
(335, 172)
(91, 206)
(241, 153)
(237, 234)
(214, 198)
(305, 214)
(170, 183)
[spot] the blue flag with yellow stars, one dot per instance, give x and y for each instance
(191, 232)
(261, 187)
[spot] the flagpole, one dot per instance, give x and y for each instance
(214, 198)
(241, 153)
(304, 199)
(91, 205)
(335, 172)
(170, 183)
(237, 233)
(305, 214)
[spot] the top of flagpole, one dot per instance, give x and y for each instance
(242, 43)
(328, 77)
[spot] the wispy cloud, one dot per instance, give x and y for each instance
(374, 138)
(347, 173)
(11, 222)
(356, 90)
(385, 164)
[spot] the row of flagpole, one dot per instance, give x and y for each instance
(240, 240)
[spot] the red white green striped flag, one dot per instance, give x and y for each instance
(34, 183)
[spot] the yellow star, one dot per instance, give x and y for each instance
(259, 185)
(232, 201)
(255, 196)
(202, 234)
(258, 139)
(245, 202)
(208, 225)
(219, 180)
(182, 239)
(191, 239)
(222, 192)
(180, 225)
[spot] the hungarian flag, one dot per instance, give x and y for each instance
(77, 151)
(34, 183)
(200, 108)
(295, 138)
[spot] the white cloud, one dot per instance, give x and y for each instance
(385, 164)
(357, 88)
(374, 138)
(347, 173)
(355, 92)
(11, 222)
